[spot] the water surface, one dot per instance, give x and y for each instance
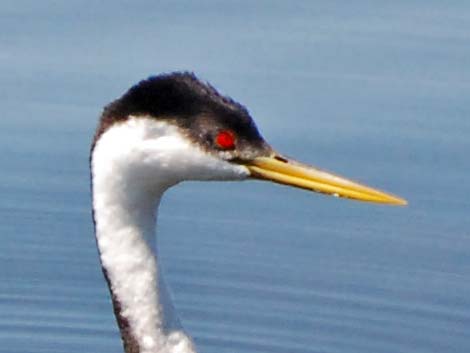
(375, 91)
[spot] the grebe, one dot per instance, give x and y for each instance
(164, 130)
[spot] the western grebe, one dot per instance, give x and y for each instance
(164, 130)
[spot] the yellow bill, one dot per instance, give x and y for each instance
(284, 171)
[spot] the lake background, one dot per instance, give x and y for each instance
(374, 90)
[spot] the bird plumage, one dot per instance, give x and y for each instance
(195, 107)
(165, 130)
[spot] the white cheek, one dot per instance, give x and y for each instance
(155, 152)
(175, 157)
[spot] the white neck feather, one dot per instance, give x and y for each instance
(133, 163)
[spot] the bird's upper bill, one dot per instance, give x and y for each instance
(286, 171)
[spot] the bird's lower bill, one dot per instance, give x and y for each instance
(285, 171)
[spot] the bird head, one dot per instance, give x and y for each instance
(174, 127)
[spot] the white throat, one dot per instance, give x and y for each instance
(133, 163)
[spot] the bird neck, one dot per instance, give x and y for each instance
(125, 224)
(124, 238)
(133, 163)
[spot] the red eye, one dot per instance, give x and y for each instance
(225, 139)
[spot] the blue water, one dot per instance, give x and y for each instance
(377, 91)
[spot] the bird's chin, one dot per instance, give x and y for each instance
(223, 171)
